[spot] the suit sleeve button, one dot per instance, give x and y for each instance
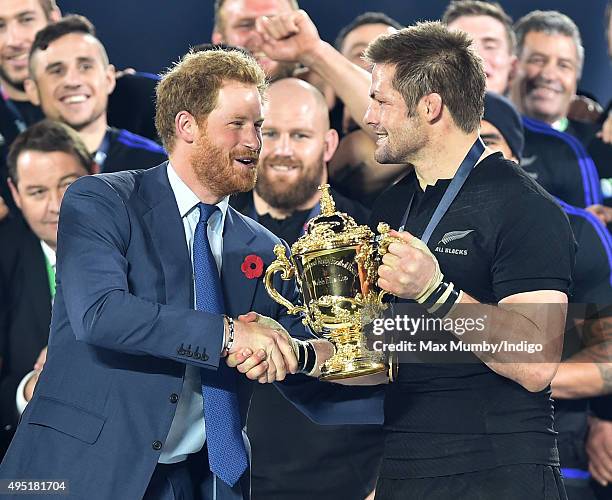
(174, 398)
(157, 445)
(204, 357)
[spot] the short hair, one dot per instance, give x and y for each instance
(193, 85)
(48, 6)
(551, 22)
(48, 136)
(428, 57)
(465, 8)
(67, 25)
(219, 5)
(364, 19)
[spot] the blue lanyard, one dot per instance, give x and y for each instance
(102, 152)
(19, 122)
(467, 165)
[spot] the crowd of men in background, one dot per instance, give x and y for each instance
(66, 112)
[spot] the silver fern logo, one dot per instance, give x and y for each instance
(448, 238)
(454, 236)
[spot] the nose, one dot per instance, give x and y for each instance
(72, 77)
(14, 35)
(283, 146)
(371, 116)
(55, 200)
(251, 138)
(549, 71)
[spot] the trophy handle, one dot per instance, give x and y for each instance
(384, 240)
(281, 264)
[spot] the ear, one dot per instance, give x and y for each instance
(31, 90)
(216, 37)
(331, 144)
(432, 106)
(111, 79)
(14, 193)
(513, 70)
(186, 127)
(55, 15)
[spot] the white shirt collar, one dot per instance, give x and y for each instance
(49, 253)
(186, 199)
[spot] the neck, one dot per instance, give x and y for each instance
(441, 158)
(262, 207)
(13, 93)
(182, 166)
(52, 245)
(93, 134)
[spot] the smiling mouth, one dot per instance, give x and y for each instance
(283, 168)
(247, 162)
(74, 99)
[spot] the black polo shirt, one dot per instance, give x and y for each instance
(128, 151)
(591, 297)
(508, 236)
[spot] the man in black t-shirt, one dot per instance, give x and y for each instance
(586, 369)
(481, 429)
(297, 143)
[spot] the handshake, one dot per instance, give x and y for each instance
(264, 351)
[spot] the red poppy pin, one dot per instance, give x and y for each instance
(252, 267)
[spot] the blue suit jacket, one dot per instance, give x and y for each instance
(122, 330)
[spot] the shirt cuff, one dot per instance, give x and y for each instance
(20, 399)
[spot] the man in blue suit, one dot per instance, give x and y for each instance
(135, 399)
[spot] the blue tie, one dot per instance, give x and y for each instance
(227, 455)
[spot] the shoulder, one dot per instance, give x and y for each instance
(135, 141)
(242, 222)
(117, 184)
(14, 235)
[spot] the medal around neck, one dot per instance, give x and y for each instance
(335, 264)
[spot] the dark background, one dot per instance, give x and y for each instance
(149, 34)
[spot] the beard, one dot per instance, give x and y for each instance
(408, 144)
(17, 85)
(215, 168)
(289, 195)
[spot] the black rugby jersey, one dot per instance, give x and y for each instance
(502, 235)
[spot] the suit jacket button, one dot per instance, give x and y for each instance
(157, 445)
(174, 398)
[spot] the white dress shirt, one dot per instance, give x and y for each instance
(187, 432)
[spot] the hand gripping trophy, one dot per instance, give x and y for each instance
(335, 264)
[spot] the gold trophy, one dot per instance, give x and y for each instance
(335, 264)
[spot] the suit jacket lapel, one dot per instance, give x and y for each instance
(168, 235)
(238, 290)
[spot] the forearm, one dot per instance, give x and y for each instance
(506, 322)
(350, 82)
(576, 379)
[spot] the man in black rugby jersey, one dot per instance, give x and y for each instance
(481, 429)
(586, 369)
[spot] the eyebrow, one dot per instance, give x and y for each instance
(57, 64)
(62, 179)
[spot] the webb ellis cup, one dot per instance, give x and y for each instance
(335, 264)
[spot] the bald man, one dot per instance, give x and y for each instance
(297, 144)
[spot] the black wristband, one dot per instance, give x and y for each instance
(433, 298)
(445, 308)
(301, 356)
(311, 357)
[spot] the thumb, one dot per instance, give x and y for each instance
(250, 317)
(405, 236)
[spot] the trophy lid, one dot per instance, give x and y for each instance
(330, 229)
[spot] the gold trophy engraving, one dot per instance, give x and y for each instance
(335, 265)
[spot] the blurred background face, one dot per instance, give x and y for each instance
(491, 42)
(42, 180)
(494, 140)
(295, 151)
(20, 20)
(357, 40)
(72, 80)
(238, 28)
(547, 76)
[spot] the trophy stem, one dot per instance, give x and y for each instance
(352, 358)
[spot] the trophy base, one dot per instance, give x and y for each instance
(342, 369)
